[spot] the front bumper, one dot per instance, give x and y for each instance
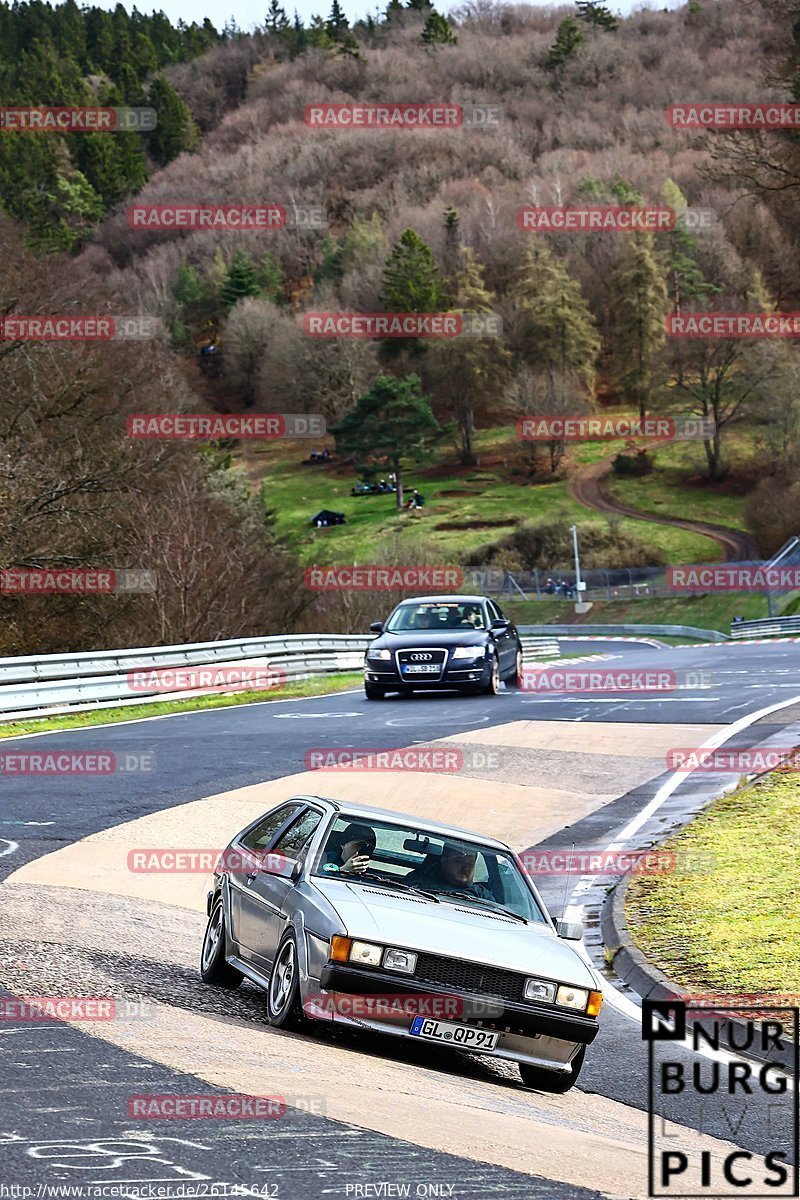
(528, 1033)
(457, 673)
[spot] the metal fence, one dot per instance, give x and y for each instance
(52, 683)
(769, 627)
(626, 631)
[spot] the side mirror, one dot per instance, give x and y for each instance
(377, 626)
(570, 931)
(277, 864)
(500, 626)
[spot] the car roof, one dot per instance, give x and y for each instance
(444, 600)
(366, 810)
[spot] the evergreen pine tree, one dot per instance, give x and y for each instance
(640, 304)
(556, 328)
(175, 131)
(241, 281)
(438, 31)
(597, 15)
(412, 280)
(568, 40)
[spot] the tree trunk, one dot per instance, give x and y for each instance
(467, 429)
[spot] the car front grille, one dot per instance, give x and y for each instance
(418, 658)
(470, 977)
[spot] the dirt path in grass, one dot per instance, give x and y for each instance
(586, 486)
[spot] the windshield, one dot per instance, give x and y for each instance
(452, 869)
(456, 615)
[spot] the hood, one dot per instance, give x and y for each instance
(431, 637)
(373, 914)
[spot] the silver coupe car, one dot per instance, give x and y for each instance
(404, 926)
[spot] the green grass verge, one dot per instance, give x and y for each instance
(665, 492)
(704, 612)
(133, 712)
(466, 507)
(733, 923)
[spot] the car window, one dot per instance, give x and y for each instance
(432, 616)
(416, 857)
(294, 841)
(261, 835)
(501, 615)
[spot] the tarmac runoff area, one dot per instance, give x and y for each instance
(105, 929)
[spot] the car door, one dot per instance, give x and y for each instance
(247, 848)
(506, 642)
(263, 898)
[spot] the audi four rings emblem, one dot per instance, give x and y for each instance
(420, 657)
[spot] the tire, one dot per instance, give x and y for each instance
(516, 675)
(373, 691)
(550, 1081)
(213, 967)
(492, 688)
(284, 1008)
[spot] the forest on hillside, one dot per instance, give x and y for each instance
(417, 221)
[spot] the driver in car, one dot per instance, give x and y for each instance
(353, 853)
(454, 871)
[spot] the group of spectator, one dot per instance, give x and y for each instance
(561, 588)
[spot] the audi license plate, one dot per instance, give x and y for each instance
(465, 1036)
(421, 669)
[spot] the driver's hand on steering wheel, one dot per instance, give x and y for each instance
(358, 864)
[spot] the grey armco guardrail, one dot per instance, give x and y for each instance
(589, 631)
(51, 683)
(768, 627)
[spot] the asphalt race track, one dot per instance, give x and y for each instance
(547, 769)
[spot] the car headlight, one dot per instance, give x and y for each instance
(468, 652)
(570, 997)
(403, 961)
(379, 654)
(366, 954)
(345, 949)
(540, 989)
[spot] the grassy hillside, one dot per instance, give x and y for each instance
(465, 507)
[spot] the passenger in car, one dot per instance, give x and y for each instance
(454, 871)
(356, 845)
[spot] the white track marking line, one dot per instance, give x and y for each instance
(193, 712)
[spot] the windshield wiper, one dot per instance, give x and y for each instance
(374, 877)
(509, 912)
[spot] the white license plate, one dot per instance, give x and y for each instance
(421, 669)
(465, 1036)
